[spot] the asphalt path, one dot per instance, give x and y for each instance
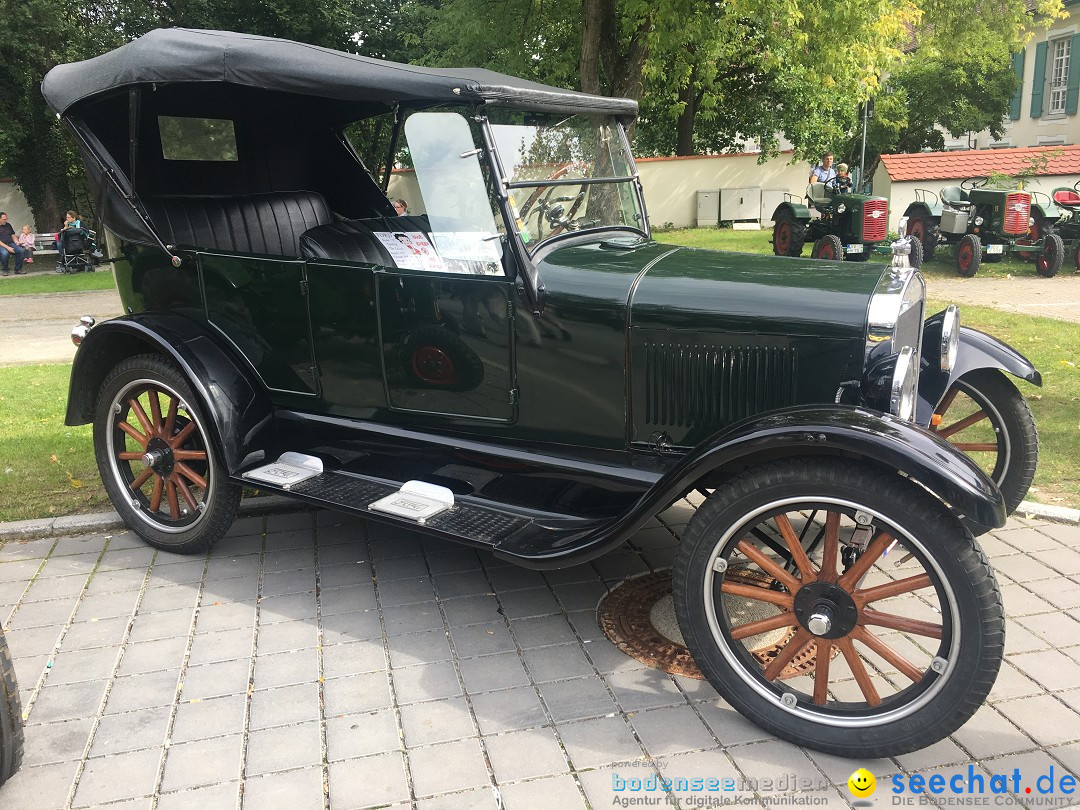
(37, 328)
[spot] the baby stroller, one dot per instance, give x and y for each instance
(76, 251)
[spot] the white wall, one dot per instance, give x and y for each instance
(14, 204)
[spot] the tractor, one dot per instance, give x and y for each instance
(982, 223)
(1062, 216)
(850, 226)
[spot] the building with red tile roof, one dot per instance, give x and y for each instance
(1061, 160)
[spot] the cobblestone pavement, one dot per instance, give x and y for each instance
(311, 662)
(1057, 297)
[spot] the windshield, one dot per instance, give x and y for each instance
(565, 173)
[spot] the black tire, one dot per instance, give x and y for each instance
(11, 727)
(1007, 425)
(1076, 254)
(789, 233)
(915, 257)
(1052, 257)
(179, 504)
(435, 357)
(968, 255)
(917, 697)
(925, 230)
(828, 248)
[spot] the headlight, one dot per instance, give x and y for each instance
(950, 337)
(841, 208)
(904, 385)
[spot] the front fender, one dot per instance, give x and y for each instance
(977, 350)
(809, 430)
(233, 397)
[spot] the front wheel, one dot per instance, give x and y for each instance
(11, 728)
(158, 459)
(1052, 257)
(923, 230)
(839, 606)
(984, 415)
(829, 248)
(968, 255)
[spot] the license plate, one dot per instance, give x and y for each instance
(995, 248)
(854, 248)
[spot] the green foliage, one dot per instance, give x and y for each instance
(1031, 167)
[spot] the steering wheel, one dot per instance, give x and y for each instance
(832, 185)
(550, 206)
(974, 182)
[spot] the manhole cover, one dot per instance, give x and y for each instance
(639, 618)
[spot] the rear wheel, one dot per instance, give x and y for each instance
(789, 234)
(11, 728)
(1036, 231)
(1052, 257)
(158, 458)
(860, 578)
(984, 415)
(828, 248)
(968, 255)
(923, 230)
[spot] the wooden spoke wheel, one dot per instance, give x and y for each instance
(157, 459)
(985, 416)
(863, 563)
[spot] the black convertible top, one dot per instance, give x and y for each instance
(169, 55)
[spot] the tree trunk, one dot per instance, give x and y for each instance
(684, 127)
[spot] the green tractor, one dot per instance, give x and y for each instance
(983, 223)
(1061, 215)
(850, 226)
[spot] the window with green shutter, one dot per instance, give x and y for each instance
(1038, 80)
(1018, 66)
(1057, 67)
(1072, 84)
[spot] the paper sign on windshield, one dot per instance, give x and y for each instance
(411, 250)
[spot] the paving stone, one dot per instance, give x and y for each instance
(286, 668)
(471, 610)
(644, 689)
(491, 672)
(127, 579)
(1058, 629)
(387, 570)
(290, 635)
(447, 767)
(508, 710)
(988, 733)
(406, 591)
(67, 587)
(216, 680)
(291, 540)
(282, 748)
(543, 631)
(288, 560)
(82, 665)
(50, 613)
(599, 785)
(355, 694)
(1065, 561)
(530, 602)
(452, 560)
(1051, 668)
(131, 731)
(426, 682)
(542, 794)
(1031, 715)
(418, 648)
(151, 656)
(607, 658)
(203, 762)
(580, 595)
(525, 754)
(1062, 593)
(95, 633)
(288, 790)
(38, 788)
(121, 776)
(474, 799)
(1020, 601)
(730, 727)
(67, 702)
(19, 570)
(116, 558)
(461, 583)
(436, 721)
(412, 618)
(1012, 683)
(620, 564)
(204, 719)
(188, 573)
(284, 706)
(513, 577)
(25, 549)
(242, 527)
(142, 691)
(348, 553)
(350, 599)
(344, 627)
(108, 605)
(166, 624)
(290, 522)
(368, 782)
(299, 581)
(559, 662)
(58, 566)
(358, 735)
(223, 795)
(214, 616)
(56, 742)
(1018, 639)
(482, 639)
(671, 730)
(32, 641)
(599, 741)
(577, 698)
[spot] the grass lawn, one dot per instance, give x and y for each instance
(57, 282)
(48, 469)
(942, 266)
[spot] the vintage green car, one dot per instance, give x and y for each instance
(518, 366)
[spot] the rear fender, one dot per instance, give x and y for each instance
(227, 388)
(813, 430)
(797, 210)
(928, 211)
(978, 350)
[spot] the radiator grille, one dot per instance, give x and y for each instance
(1017, 211)
(875, 222)
(699, 386)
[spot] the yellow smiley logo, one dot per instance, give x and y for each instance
(862, 783)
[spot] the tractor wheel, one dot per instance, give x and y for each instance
(915, 258)
(924, 230)
(968, 255)
(1053, 255)
(828, 248)
(789, 233)
(1039, 228)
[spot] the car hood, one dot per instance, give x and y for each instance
(711, 290)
